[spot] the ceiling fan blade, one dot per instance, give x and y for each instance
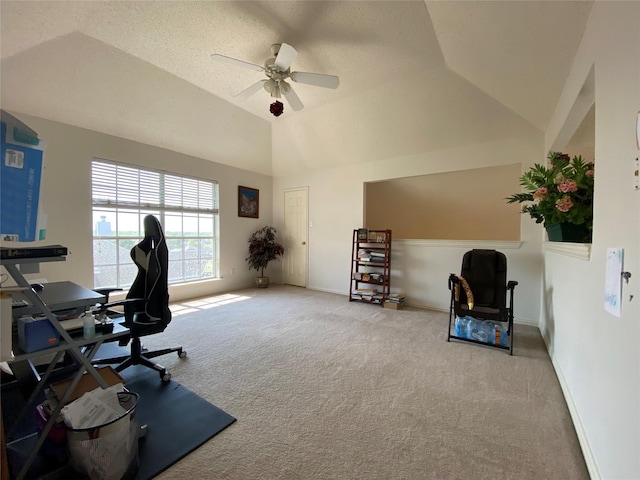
(246, 93)
(286, 55)
(317, 79)
(293, 100)
(239, 63)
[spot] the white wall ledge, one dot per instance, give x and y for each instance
(581, 251)
(490, 244)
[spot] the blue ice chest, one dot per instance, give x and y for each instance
(36, 334)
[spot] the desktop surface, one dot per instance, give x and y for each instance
(59, 296)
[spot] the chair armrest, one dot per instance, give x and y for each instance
(453, 279)
(106, 291)
(101, 311)
(511, 284)
(124, 301)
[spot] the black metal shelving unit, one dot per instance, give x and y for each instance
(370, 266)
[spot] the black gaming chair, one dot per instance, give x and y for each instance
(480, 292)
(146, 307)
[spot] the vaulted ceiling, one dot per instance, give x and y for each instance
(414, 75)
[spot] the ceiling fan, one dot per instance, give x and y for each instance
(278, 70)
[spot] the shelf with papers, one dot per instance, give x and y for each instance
(370, 266)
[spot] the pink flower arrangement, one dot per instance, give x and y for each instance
(561, 192)
(567, 185)
(564, 204)
(540, 193)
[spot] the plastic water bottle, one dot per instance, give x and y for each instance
(478, 330)
(489, 327)
(457, 326)
(497, 334)
(486, 328)
(503, 335)
(465, 327)
(472, 325)
(461, 327)
(88, 325)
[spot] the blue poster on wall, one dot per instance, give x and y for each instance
(20, 177)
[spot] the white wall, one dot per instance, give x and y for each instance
(420, 269)
(595, 354)
(66, 199)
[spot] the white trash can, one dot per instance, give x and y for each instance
(109, 451)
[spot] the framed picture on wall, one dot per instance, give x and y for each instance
(248, 202)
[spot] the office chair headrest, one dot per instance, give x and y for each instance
(152, 227)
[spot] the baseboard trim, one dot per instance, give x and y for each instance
(589, 459)
(326, 290)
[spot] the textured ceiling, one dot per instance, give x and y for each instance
(414, 73)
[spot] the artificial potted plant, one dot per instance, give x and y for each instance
(263, 248)
(560, 196)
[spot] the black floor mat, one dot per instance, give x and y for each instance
(178, 421)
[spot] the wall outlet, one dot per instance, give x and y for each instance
(232, 271)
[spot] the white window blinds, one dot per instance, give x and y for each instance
(118, 185)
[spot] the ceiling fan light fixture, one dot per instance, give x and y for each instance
(285, 87)
(270, 85)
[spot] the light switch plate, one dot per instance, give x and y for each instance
(636, 175)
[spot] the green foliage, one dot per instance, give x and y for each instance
(263, 248)
(559, 193)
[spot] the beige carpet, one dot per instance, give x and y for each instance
(327, 389)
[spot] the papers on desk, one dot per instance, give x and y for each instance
(72, 324)
(95, 408)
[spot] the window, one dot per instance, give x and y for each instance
(122, 195)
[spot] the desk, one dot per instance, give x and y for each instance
(56, 296)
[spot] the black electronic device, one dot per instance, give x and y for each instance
(7, 253)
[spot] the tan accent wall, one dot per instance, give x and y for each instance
(461, 205)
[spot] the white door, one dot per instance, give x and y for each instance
(296, 236)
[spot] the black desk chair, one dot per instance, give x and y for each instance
(480, 291)
(146, 306)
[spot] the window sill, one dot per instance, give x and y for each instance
(581, 251)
